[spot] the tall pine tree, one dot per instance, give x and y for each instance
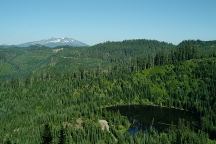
(47, 136)
(62, 136)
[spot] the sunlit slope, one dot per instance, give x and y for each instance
(15, 62)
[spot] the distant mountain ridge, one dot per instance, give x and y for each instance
(55, 42)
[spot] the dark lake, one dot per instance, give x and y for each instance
(143, 117)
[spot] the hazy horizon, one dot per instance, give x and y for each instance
(107, 41)
(98, 21)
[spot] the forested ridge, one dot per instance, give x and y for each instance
(49, 97)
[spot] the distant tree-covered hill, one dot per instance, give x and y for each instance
(130, 54)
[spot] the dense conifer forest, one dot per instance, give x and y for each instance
(60, 95)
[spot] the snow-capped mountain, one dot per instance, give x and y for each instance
(55, 42)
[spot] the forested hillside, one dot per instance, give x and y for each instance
(49, 96)
(19, 62)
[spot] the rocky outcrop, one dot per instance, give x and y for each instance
(104, 125)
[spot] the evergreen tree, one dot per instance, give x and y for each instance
(8, 142)
(62, 136)
(47, 136)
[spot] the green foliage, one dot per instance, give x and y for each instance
(8, 142)
(70, 88)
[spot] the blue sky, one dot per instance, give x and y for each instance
(94, 21)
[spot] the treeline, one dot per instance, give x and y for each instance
(132, 55)
(128, 56)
